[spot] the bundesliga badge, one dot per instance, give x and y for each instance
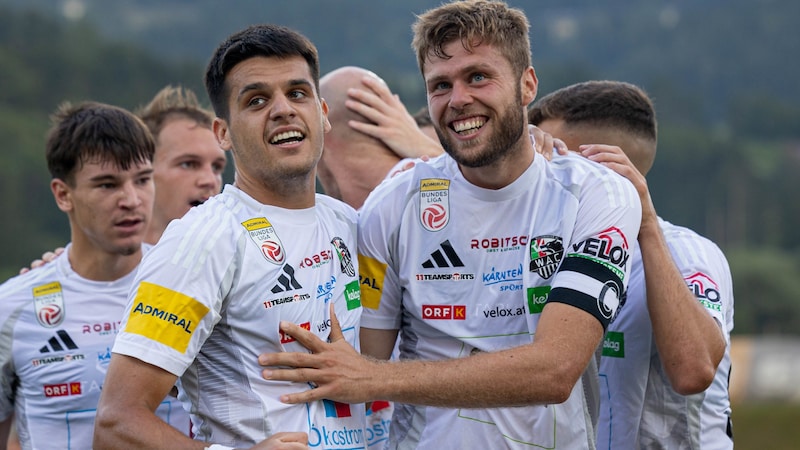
(345, 259)
(265, 237)
(434, 204)
(546, 254)
(49, 303)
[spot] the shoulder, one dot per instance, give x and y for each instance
(330, 206)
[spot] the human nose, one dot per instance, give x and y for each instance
(281, 107)
(459, 96)
(130, 197)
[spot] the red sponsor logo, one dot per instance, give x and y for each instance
(62, 389)
(434, 217)
(285, 338)
(272, 250)
(444, 312)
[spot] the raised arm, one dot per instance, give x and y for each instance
(542, 372)
(689, 341)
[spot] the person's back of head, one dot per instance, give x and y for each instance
(474, 22)
(95, 132)
(265, 40)
(601, 112)
(333, 88)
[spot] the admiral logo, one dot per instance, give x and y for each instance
(286, 281)
(321, 258)
(434, 203)
(510, 278)
(263, 234)
(48, 301)
(285, 338)
(101, 328)
(345, 259)
(610, 246)
(502, 244)
(443, 257)
(705, 289)
(62, 389)
(444, 312)
(546, 254)
(167, 317)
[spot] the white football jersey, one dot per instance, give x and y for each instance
(639, 408)
(208, 300)
(56, 334)
(460, 269)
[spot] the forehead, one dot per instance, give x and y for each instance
(186, 136)
(485, 56)
(267, 72)
(97, 168)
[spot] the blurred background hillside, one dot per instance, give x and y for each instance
(723, 74)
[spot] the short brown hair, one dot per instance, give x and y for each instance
(174, 102)
(474, 22)
(605, 103)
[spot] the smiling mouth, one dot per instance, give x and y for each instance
(287, 137)
(196, 202)
(464, 127)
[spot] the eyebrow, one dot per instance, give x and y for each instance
(259, 85)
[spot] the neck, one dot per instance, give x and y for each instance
(505, 170)
(297, 193)
(98, 265)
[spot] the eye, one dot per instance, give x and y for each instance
(297, 95)
(218, 168)
(256, 101)
(187, 164)
(143, 180)
(478, 77)
(106, 185)
(442, 85)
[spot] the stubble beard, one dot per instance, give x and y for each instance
(508, 131)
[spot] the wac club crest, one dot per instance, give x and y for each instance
(546, 254)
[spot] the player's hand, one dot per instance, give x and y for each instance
(284, 441)
(544, 143)
(46, 258)
(615, 159)
(390, 120)
(337, 370)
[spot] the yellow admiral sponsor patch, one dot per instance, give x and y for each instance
(164, 315)
(371, 273)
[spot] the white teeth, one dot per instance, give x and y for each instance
(286, 135)
(468, 125)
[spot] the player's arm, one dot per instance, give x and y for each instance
(542, 372)
(689, 341)
(378, 344)
(132, 391)
(5, 431)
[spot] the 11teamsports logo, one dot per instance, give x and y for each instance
(263, 234)
(434, 203)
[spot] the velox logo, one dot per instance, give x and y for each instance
(444, 312)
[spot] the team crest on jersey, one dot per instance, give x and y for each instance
(434, 203)
(263, 234)
(546, 254)
(345, 259)
(48, 301)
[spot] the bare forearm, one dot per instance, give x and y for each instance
(689, 341)
(123, 428)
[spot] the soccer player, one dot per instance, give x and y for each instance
(499, 269)
(210, 295)
(664, 349)
(59, 322)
